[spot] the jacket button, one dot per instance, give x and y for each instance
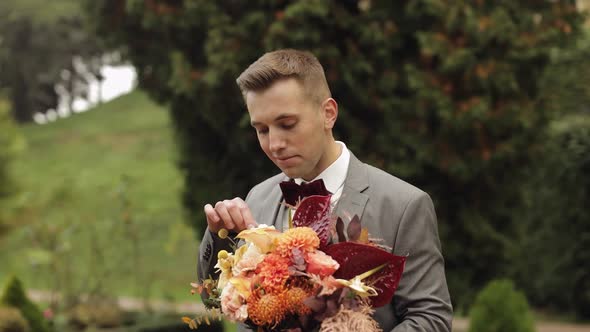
(207, 253)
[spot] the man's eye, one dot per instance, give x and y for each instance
(288, 125)
(262, 131)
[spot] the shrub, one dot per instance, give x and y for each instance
(11, 320)
(556, 231)
(97, 312)
(499, 307)
(14, 296)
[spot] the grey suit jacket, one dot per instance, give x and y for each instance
(398, 213)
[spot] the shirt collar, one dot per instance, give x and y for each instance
(335, 174)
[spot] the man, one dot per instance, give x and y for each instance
(291, 108)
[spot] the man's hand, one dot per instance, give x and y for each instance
(233, 215)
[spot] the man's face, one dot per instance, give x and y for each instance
(292, 129)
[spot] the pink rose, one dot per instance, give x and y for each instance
(233, 304)
(320, 264)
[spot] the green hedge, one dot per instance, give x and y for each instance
(500, 308)
(553, 261)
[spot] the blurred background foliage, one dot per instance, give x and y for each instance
(43, 48)
(483, 104)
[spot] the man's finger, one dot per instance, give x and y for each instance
(213, 220)
(211, 214)
(247, 215)
(221, 209)
(236, 215)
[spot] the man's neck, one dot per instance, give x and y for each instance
(333, 152)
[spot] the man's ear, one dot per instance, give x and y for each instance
(330, 108)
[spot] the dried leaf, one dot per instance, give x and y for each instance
(364, 238)
(340, 230)
(354, 229)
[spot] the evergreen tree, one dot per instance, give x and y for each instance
(553, 259)
(39, 45)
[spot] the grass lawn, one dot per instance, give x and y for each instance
(100, 207)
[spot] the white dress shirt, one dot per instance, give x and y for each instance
(333, 178)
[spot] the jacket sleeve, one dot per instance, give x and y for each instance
(422, 301)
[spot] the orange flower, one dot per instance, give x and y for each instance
(269, 309)
(303, 238)
(273, 272)
(294, 301)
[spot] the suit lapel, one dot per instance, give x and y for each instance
(353, 200)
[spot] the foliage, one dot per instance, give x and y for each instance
(42, 46)
(442, 94)
(100, 200)
(499, 307)
(14, 296)
(11, 144)
(11, 320)
(564, 85)
(556, 228)
(99, 312)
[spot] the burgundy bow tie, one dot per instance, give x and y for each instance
(293, 192)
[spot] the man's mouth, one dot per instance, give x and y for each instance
(285, 161)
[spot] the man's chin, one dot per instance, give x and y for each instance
(291, 172)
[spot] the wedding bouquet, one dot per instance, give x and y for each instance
(318, 274)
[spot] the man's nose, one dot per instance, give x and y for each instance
(276, 141)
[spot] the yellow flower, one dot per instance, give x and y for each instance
(223, 233)
(358, 286)
(242, 286)
(222, 254)
(262, 236)
(224, 264)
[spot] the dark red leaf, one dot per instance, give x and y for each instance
(314, 212)
(356, 258)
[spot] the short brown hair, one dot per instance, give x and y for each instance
(286, 63)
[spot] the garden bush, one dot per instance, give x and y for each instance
(556, 223)
(500, 308)
(97, 312)
(14, 296)
(11, 320)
